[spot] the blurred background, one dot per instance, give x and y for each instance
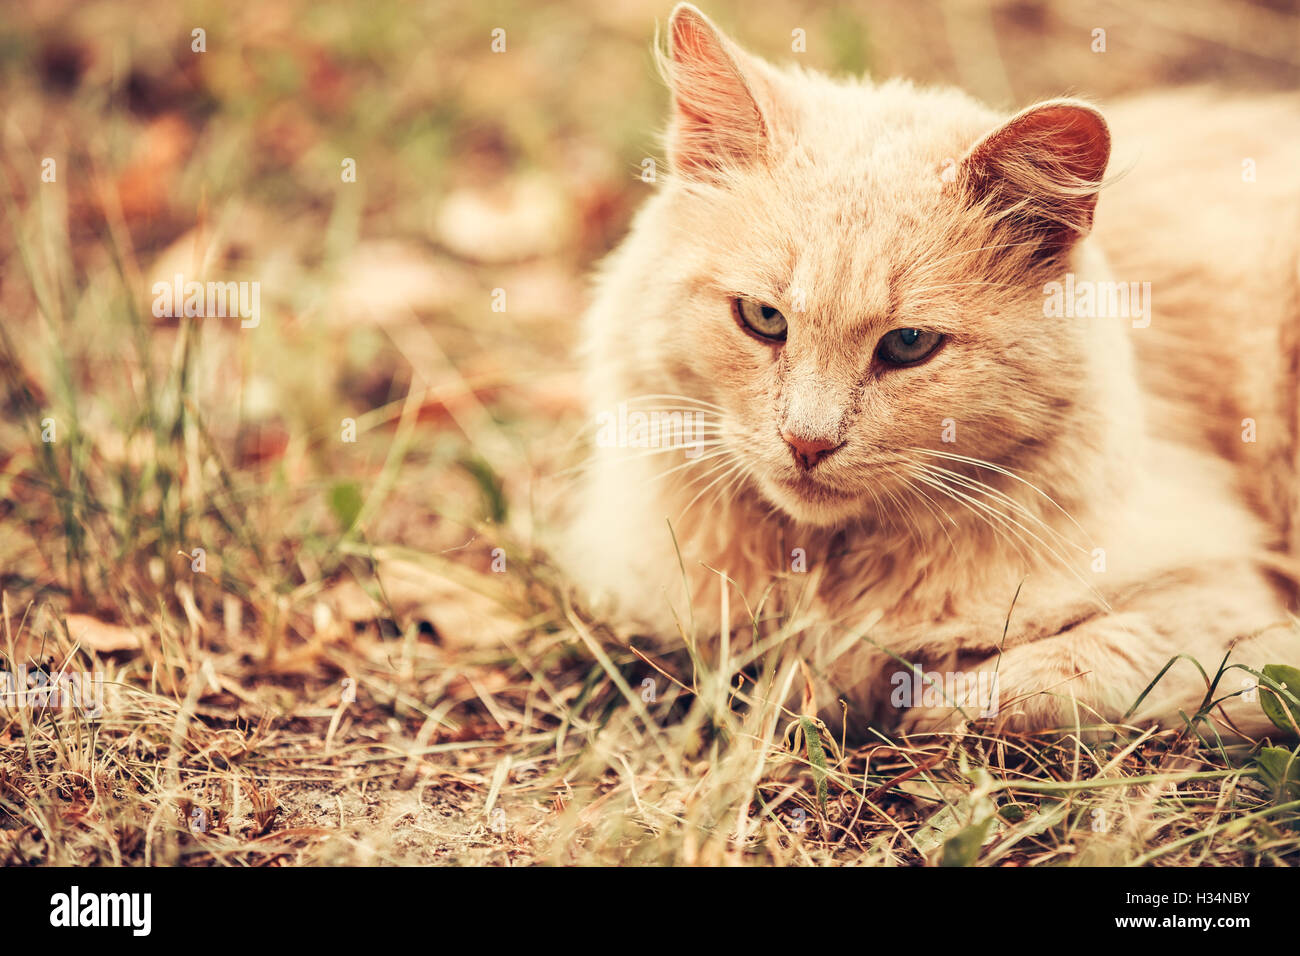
(420, 189)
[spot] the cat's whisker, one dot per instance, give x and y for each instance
(604, 454)
(897, 513)
(694, 480)
(724, 493)
(687, 399)
(973, 503)
(985, 515)
(717, 452)
(930, 505)
(707, 416)
(712, 456)
(981, 463)
(876, 505)
(721, 477)
(1017, 509)
(666, 419)
(989, 509)
(974, 484)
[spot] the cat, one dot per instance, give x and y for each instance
(865, 361)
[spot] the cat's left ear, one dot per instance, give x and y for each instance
(1041, 171)
(717, 123)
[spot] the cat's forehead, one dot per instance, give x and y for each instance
(845, 243)
(862, 160)
(892, 127)
(856, 199)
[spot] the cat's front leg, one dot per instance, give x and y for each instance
(1088, 675)
(1094, 672)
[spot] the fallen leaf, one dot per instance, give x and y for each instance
(460, 615)
(99, 636)
(507, 222)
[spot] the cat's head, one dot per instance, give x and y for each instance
(856, 271)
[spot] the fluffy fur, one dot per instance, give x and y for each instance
(1098, 469)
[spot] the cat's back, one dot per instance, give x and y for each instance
(1205, 206)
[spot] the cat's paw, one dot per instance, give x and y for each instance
(924, 721)
(1013, 693)
(947, 701)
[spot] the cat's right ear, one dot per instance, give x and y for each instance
(717, 124)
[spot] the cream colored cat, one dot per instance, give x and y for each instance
(907, 391)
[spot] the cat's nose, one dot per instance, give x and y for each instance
(809, 451)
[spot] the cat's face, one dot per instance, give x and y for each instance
(857, 275)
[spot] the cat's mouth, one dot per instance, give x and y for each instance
(808, 500)
(806, 487)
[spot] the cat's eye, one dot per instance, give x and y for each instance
(763, 320)
(907, 346)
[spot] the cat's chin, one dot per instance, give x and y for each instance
(820, 507)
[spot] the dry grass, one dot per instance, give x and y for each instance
(354, 676)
